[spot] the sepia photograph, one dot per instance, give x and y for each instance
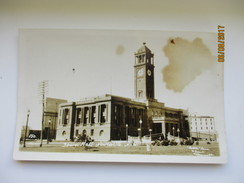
(120, 96)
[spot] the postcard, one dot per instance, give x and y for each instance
(120, 96)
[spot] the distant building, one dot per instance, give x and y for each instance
(51, 117)
(23, 129)
(202, 127)
(109, 117)
(30, 134)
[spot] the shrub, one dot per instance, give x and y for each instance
(173, 143)
(165, 142)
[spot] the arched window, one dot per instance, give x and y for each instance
(84, 132)
(101, 133)
(64, 133)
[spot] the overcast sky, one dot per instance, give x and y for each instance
(88, 63)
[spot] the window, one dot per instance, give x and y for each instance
(211, 128)
(93, 115)
(140, 94)
(76, 132)
(84, 132)
(92, 132)
(64, 133)
(101, 133)
(206, 128)
(65, 116)
(103, 114)
(118, 114)
(139, 59)
(86, 115)
(78, 116)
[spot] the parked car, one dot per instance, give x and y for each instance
(32, 136)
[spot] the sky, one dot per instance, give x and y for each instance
(90, 63)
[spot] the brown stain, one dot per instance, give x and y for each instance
(187, 60)
(120, 50)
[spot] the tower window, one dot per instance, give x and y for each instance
(140, 93)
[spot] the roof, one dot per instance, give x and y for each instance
(143, 49)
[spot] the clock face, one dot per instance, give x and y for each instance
(140, 72)
(149, 73)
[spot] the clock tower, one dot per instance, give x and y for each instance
(144, 73)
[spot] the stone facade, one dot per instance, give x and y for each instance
(111, 117)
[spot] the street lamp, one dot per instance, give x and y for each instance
(197, 136)
(209, 135)
(178, 131)
(26, 126)
(150, 134)
(139, 134)
(140, 130)
(48, 130)
(174, 131)
(126, 130)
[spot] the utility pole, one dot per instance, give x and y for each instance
(43, 90)
(26, 126)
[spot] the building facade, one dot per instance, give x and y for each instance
(203, 127)
(109, 117)
(51, 117)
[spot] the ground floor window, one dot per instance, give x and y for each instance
(92, 132)
(84, 132)
(77, 132)
(101, 133)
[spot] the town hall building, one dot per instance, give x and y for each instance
(109, 117)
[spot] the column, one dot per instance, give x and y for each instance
(163, 129)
